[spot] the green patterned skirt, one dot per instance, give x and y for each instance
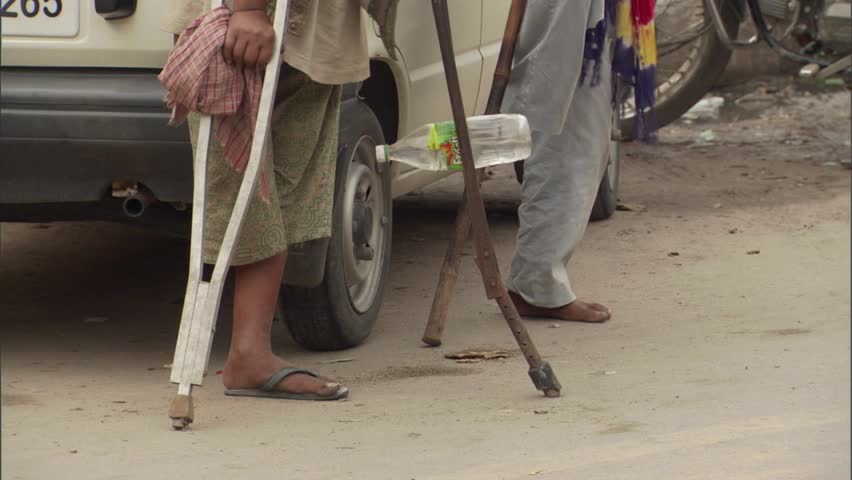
(303, 148)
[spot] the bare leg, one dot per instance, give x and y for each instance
(250, 358)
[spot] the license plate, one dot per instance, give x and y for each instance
(40, 18)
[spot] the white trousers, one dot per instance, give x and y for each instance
(561, 178)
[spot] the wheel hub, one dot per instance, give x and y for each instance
(362, 227)
(363, 232)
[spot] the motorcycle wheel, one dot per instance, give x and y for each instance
(691, 58)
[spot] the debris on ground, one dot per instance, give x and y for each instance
(540, 412)
(756, 101)
(809, 70)
(706, 137)
(476, 355)
(674, 254)
(554, 325)
(706, 109)
(630, 207)
(412, 371)
(753, 252)
(338, 360)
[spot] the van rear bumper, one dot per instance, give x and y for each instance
(65, 135)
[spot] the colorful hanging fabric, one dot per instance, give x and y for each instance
(634, 57)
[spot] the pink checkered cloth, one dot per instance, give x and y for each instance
(197, 79)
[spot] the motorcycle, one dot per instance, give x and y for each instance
(696, 38)
(695, 41)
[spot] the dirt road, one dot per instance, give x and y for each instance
(718, 363)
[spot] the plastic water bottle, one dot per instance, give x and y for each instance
(495, 139)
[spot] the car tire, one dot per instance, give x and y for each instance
(341, 311)
(607, 197)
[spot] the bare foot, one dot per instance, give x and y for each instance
(577, 311)
(252, 370)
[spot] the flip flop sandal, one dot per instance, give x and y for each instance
(267, 390)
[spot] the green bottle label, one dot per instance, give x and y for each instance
(444, 138)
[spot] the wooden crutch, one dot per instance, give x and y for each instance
(201, 304)
(540, 371)
(450, 269)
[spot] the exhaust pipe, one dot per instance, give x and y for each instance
(135, 205)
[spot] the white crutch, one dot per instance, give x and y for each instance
(201, 305)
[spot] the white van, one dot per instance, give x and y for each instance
(82, 111)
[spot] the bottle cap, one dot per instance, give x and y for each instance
(382, 154)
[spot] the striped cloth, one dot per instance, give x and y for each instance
(197, 79)
(634, 59)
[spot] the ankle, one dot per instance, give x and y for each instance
(247, 353)
(249, 369)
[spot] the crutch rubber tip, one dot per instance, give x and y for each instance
(552, 393)
(545, 380)
(432, 342)
(180, 423)
(181, 412)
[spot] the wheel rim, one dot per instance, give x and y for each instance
(612, 166)
(680, 27)
(363, 184)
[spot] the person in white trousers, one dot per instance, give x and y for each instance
(562, 82)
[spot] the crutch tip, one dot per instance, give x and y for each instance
(432, 342)
(552, 393)
(180, 423)
(181, 412)
(545, 380)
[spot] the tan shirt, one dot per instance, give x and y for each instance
(325, 38)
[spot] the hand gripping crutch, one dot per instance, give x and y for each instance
(201, 305)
